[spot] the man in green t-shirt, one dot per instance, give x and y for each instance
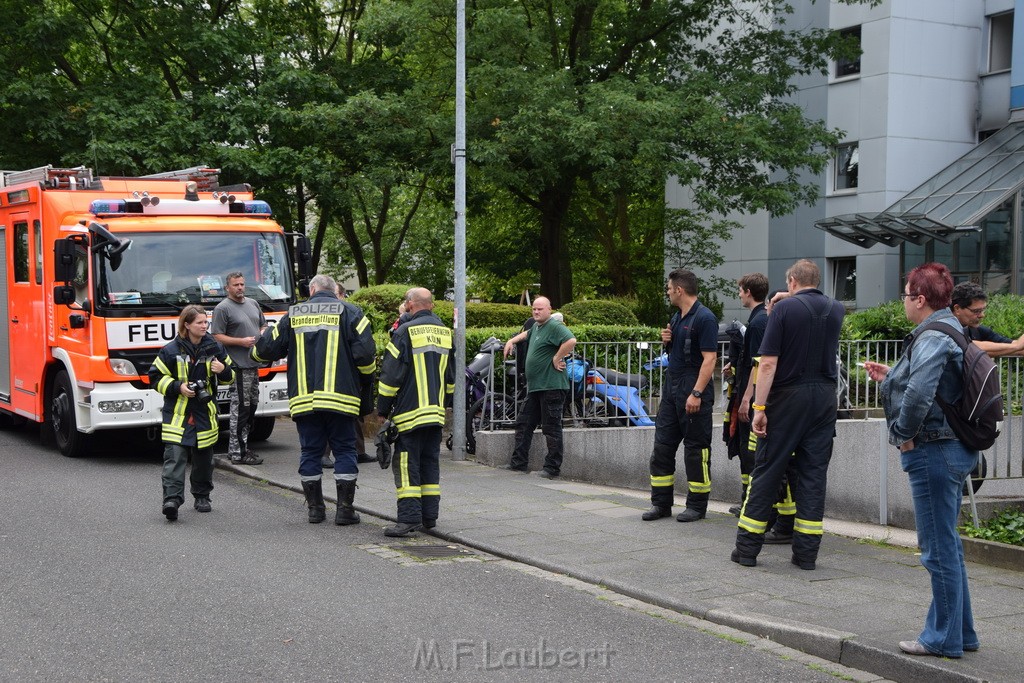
(546, 384)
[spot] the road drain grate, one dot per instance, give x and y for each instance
(433, 552)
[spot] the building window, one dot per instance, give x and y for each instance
(849, 66)
(1000, 41)
(844, 279)
(846, 163)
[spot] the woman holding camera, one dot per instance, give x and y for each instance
(184, 372)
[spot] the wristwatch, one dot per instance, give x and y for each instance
(696, 393)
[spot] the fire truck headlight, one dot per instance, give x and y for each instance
(123, 367)
(280, 363)
(134, 405)
(278, 394)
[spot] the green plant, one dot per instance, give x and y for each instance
(600, 312)
(485, 314)
(1005, 314)
(885, 321)
(1005, 527)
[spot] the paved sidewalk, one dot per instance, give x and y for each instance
(863, 598)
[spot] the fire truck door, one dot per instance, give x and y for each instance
(5, 345)
(25, 315)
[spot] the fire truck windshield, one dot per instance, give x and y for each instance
(175, 269)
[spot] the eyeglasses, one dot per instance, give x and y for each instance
(904, 295)
(980, 310)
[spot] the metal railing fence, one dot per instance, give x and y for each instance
(634, 370)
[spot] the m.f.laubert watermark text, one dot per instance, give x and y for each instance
(482, 655)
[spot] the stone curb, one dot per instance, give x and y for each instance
(993, 553)
(834, 646)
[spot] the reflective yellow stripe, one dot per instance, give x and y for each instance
(404, 490)
(664, 480)
(331, 368)
(442, 367)
(807, 526)
(362, 324)
(430, 489)
(425, 416)
(786, 506)
(752, 525)
(164, 384)
(752, 442)
(408, 492)
(745, 479)
(705, 485)
(386, 389)
(419, 367)
(300, 366)
(393, 350)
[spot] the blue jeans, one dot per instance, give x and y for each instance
(937, 473)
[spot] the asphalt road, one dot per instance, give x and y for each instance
(95, 585)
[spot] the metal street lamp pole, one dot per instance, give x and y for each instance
(459, 158)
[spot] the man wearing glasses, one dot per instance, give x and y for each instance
(969, 304)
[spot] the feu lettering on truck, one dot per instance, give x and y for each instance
(141, 334)
(146, 333)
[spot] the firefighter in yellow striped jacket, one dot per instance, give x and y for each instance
(415, 386)
(331, 359)
(183, 372)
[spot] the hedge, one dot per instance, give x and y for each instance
(599, 312)
(1004, 314)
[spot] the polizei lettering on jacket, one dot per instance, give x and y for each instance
(316, 316)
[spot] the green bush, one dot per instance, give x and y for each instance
(485, 314)
(1005, 314)
(598, 312)
(380, 304)
(885, 321)
(1006, 527)
(382, 298)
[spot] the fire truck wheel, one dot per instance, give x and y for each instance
(70, 441)
(262, 428)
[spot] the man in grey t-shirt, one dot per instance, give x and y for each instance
(237, 322)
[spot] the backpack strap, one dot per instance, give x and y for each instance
(961, 339)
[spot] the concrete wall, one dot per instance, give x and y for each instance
(865, 484)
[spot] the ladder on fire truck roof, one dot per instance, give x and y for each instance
(56, 178)
(204, 177)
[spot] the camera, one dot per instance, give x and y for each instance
(201, 389)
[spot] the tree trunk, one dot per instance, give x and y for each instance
(555, 264)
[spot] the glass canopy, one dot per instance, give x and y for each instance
(948, 205)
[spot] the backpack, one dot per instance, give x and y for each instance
(977, 417)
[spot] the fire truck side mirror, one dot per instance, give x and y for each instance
(304, 257)
(63, 295)
(64, 262)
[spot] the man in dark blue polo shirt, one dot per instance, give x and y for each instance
(687, 399)
(968, 305)
(794, 415)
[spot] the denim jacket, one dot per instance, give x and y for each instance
(908, 391)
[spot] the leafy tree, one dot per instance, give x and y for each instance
(602, 100)
(307, 100)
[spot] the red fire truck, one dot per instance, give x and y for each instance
(95, 273)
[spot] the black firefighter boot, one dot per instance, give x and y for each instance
(346, 513)
(315, 501)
